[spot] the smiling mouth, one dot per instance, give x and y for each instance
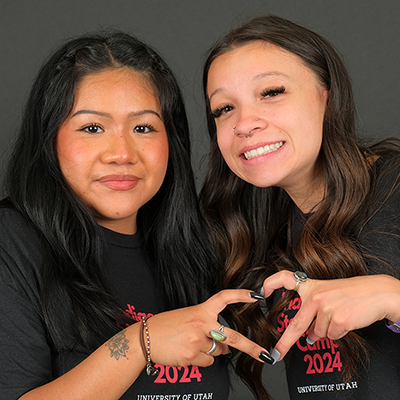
(269, 148)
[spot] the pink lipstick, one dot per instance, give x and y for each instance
(119, 182)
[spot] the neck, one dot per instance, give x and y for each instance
(307, 197)
(124, 227)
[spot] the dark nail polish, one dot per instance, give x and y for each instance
(257, 296)
(264, 356)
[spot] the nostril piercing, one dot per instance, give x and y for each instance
(257, 119)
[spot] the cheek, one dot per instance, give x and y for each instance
(226, 147)
(225, 142)
(157, 155)
(70, 153)
(71, 159)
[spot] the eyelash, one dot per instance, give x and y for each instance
(87, 127)
(221, 110)
(273, 92)
(149, 127)
(91, 126)
(266, 93)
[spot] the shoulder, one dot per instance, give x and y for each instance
(15, 228)
(386, 174)
(380, 234)
(20, 247)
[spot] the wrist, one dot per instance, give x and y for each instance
(392, 291)
(145, 344)
(393, 326)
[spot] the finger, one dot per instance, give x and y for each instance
(217, 348)
(328, 324)
(323, 326)
(296, 328)
(312, 337)
(225, 349)
(213, 347)
(333, 332)
(336, 330)
(202, 360)
(241, 343)
(219, 301)
(280, 279)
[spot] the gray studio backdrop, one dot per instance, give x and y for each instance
(366, 32)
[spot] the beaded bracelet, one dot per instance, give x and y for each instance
(150, 368)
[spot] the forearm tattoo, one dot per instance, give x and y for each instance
(118, 345)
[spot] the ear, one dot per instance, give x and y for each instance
(325, 94)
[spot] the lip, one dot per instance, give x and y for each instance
(119, 182)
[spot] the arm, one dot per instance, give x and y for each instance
(178, 338)
(99, 376)
(332, 308)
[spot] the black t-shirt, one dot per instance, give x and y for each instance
(315, 372)
(29, 359)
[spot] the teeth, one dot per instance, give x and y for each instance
(262, 150)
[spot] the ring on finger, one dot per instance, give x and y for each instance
(299, 277)
(218, 334)
(213, 347)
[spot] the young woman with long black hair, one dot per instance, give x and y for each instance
(100, 229)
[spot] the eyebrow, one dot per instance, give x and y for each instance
(107, 115)
(270, 73)
(255, 78)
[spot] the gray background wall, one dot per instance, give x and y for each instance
(366, 32)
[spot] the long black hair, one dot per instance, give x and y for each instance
(174, 240)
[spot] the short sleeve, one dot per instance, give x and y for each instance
(25, 361)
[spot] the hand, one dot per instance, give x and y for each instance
(332, 308)
(182, 337)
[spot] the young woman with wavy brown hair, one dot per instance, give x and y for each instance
(296, 204)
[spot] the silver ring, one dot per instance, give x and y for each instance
(218, 334)
(213, 347)
(299, 277)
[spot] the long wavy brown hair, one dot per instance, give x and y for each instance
(252, 227)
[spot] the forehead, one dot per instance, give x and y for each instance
(255, 60)
(105, 80)
(260, 49)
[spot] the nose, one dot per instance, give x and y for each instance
(120, 149)
(248, 124)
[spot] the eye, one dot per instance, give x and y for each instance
(221, 110)
(145, 128)
(93, 129)
(273, 92)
